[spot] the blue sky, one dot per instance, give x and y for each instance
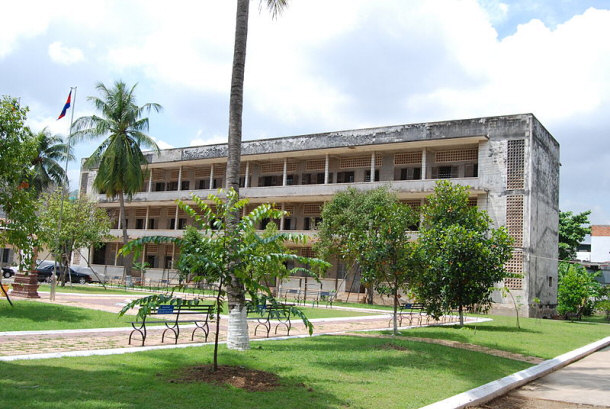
(328, 65)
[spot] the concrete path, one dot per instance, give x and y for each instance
(584, 382)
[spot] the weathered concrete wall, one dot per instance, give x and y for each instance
(543, 217)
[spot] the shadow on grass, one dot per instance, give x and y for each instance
(139, 381)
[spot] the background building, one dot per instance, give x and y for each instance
(510, 163)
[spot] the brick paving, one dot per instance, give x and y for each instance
(21, 344)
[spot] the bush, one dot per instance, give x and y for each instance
(577, 289)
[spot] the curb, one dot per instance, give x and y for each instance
(499, 387)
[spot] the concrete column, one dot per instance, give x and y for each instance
(424, 164)
(372, 178)
(246, 177)
(146, 220)
(116, 253)
(176, 219)
(180, 178)
(326, 165)
(284, 175)
(150, 181)
(212, 176)
(283, 216)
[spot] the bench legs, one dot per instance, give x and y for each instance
(140, 330)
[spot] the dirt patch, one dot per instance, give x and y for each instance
(392, 346)
(515, 402)
(238, 376)
(460, 345)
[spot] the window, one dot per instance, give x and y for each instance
(159, 186)
(217, 183)
(291, 180)
(287, 223)
(5, 255)
(168, 262)
(471, 170)
(345, 177)
(270, 181)
(151, 224)
(444, 172)
(152, 261)
(367, 176)
(139, 224)
(181, 224)
(99, 254)
(185, 185)
(204, 183)
(242, 181)
(171, 186)
(171, 224)
(311, 223)
(410, 174)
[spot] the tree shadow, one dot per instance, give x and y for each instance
(138, 381)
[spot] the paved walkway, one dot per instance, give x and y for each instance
(585, 382)
(41, 342)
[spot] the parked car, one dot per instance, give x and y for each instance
(45, 273)
(95, 277)
(8, 272)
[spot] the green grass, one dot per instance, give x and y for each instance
(537, 337)
(319, 372)
(33, 315)
(91, 289)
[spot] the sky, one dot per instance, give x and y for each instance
(326, 65)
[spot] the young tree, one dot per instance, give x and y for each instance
(572, 230)
(119, 158)
(82, 226)
(238, 336)
(464, 256)
(208, 252)
(17, 199)
(375, 231)
(347, 222)
(576, 290)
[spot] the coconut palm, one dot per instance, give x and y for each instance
(47, 167)
(119, 158)
(237, 336)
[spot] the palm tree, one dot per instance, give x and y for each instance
(237, 336)
(47, 166)
(119, 158)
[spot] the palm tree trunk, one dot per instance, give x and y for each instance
(237, 335)
(127, 260)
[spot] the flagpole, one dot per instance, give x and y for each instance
(67, 184)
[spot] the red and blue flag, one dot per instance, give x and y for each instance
(63, 111)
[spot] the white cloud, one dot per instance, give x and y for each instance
(210, 140)
(64, 55)
(555, 73)
(162, 144)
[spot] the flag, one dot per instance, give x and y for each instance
(63, 111)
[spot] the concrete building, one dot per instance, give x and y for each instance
(510, 163)
(600, 244)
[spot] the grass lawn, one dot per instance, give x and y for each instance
(33, 315)
(318, 372)
(91, 289)
(537, 337)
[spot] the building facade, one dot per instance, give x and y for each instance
(509, 163)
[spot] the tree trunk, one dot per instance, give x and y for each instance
(127, 260)
(395, 323)
(461, 311)
(237, 335)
